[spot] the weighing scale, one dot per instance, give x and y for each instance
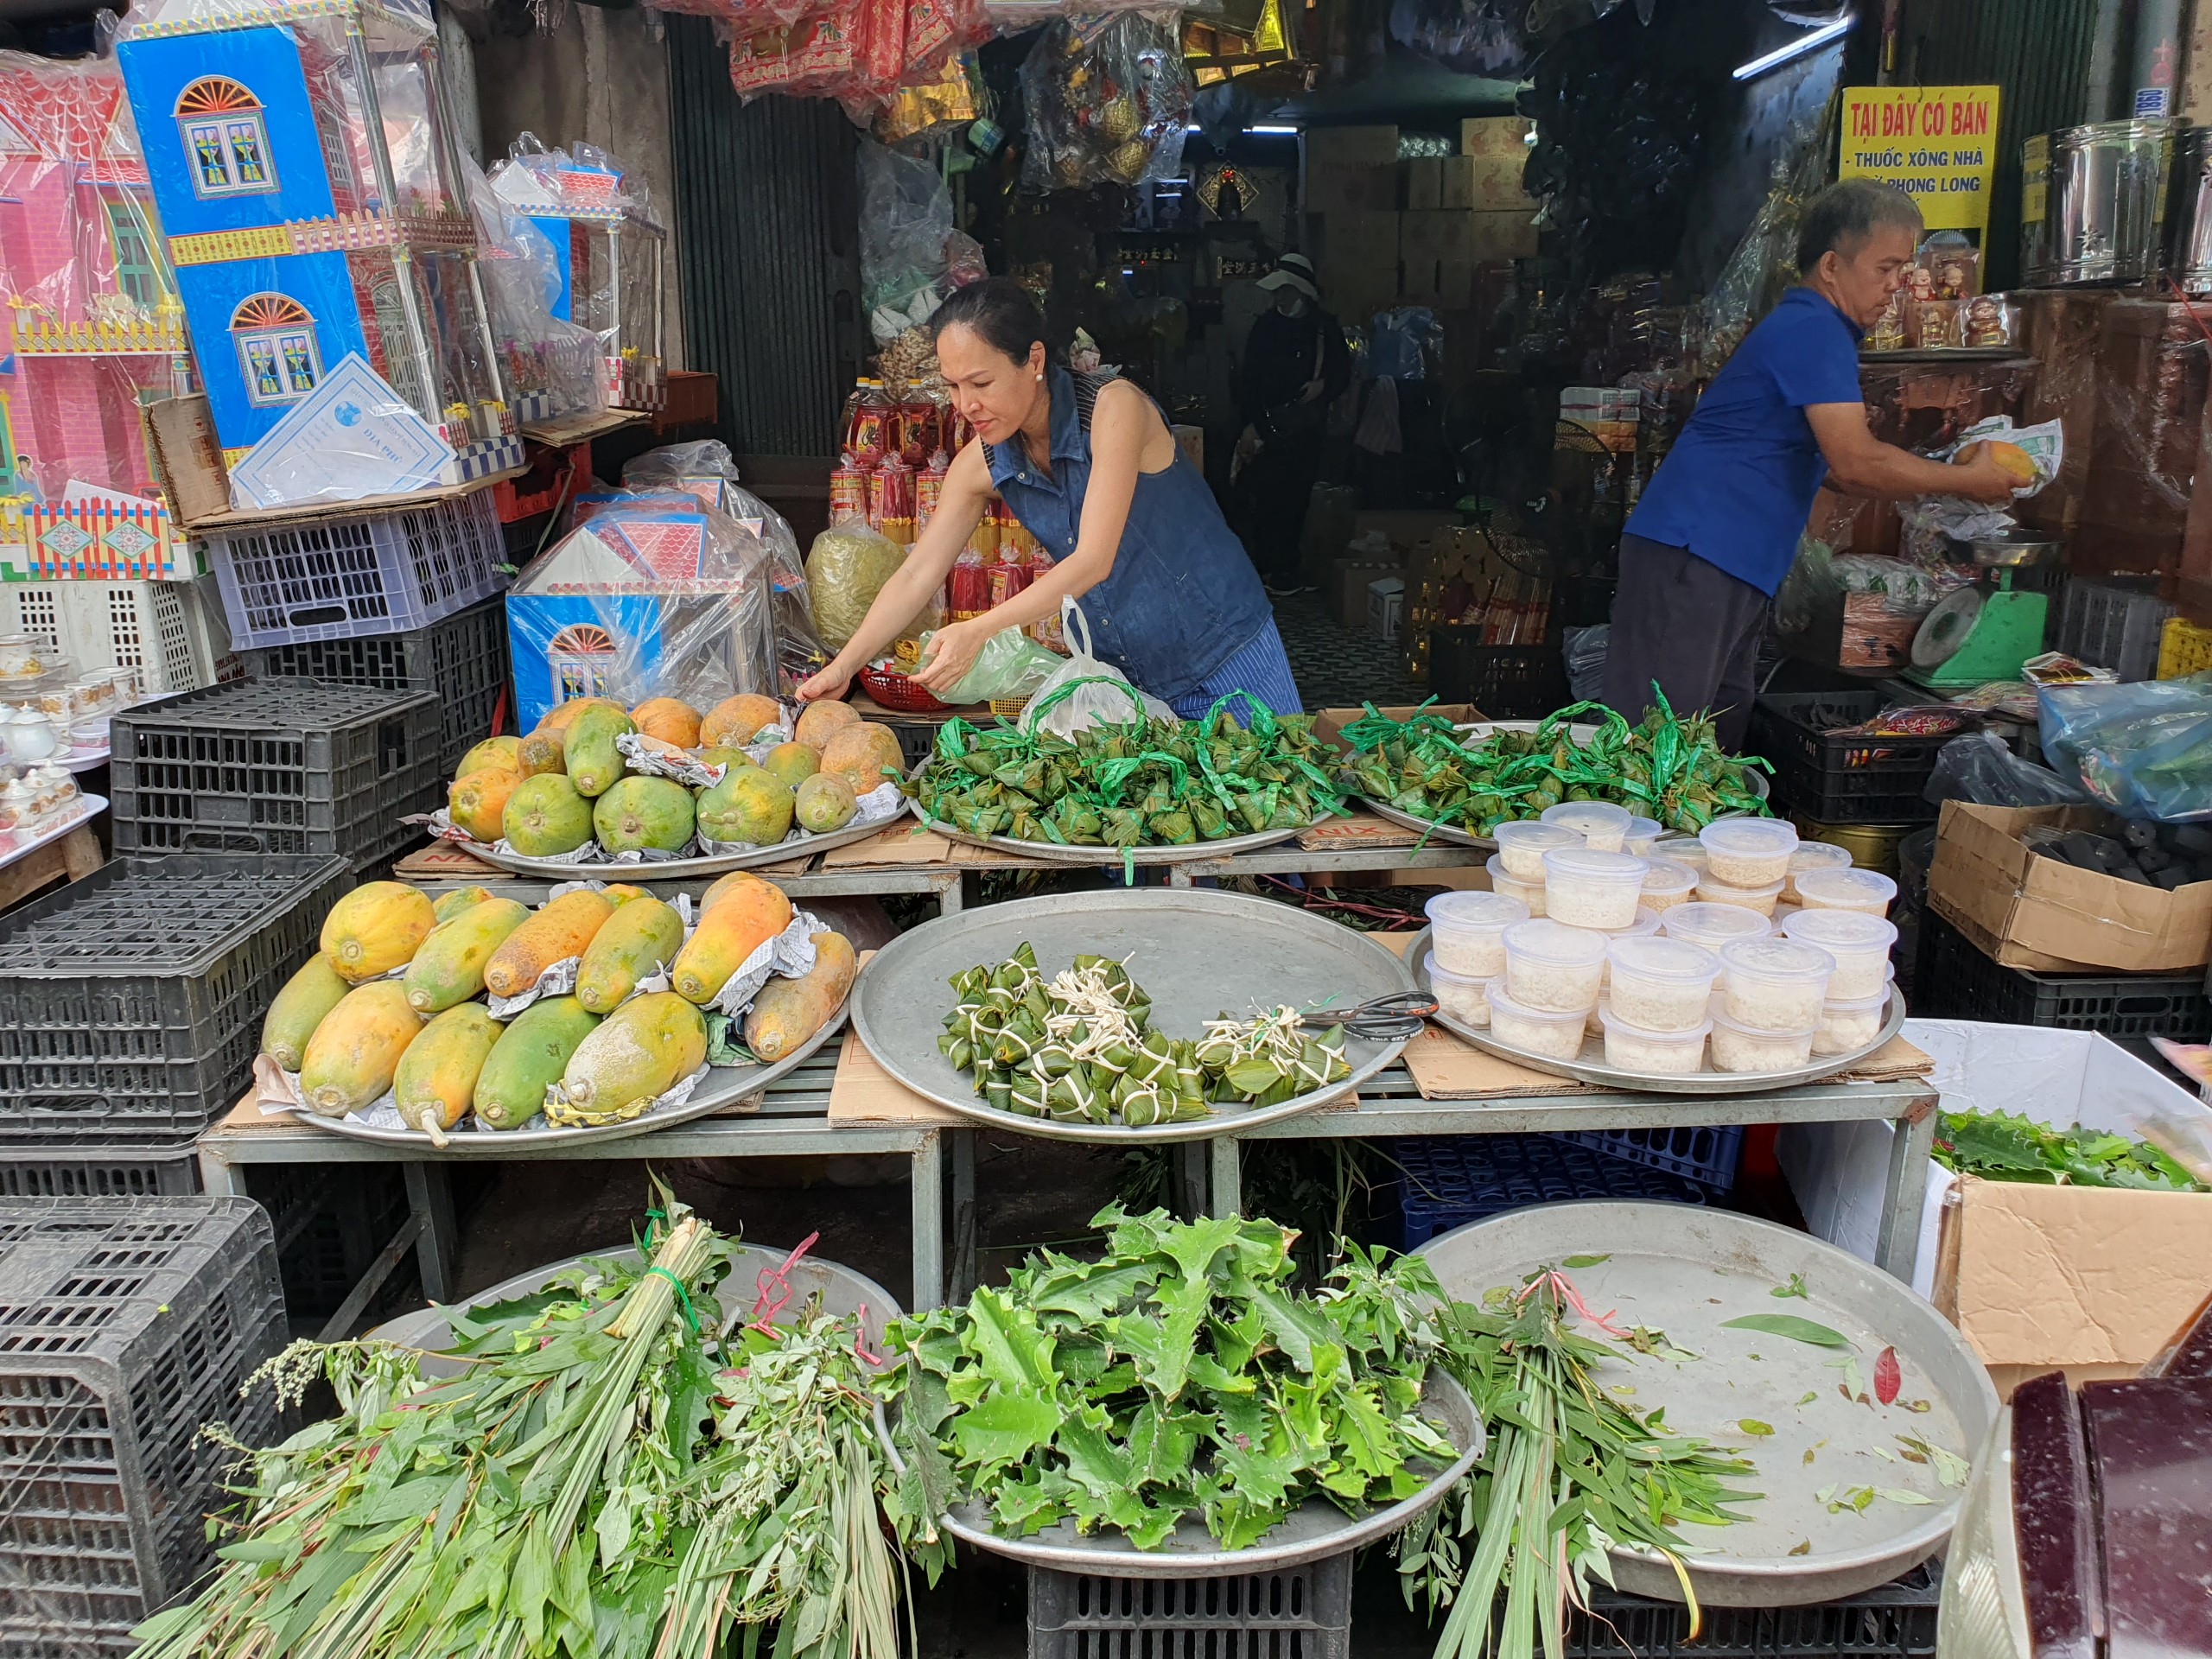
(1986, 632)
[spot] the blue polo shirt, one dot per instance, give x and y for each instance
(1737, 485)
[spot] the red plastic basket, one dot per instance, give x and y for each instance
(897, 692)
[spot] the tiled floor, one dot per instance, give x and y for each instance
(1335, 667)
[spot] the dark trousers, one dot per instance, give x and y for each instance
(1692, 627)
(1276, 485)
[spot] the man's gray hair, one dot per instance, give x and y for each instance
(1845, 213)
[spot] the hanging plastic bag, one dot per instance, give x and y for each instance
(1108, 103)
(1083, 691)
(905, 221)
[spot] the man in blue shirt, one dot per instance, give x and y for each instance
(1717, 526)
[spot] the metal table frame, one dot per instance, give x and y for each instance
(791, 1121)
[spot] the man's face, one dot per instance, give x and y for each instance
(1863, 277)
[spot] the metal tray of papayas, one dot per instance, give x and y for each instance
(1198, 952)
(799, 845)
(724, 1085)
(1315, 1529)
(1475, 731)
(1590, 1069)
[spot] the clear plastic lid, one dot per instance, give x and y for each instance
(1646, 922)
(1712, 925)
(1841, 929)
(1555, 943)
(1475, 910)
(1656, 957)
(1536, 837)
(1819, 856)
(1581, 864)
(1501, 1002)
(1612, 1021)
(1773, 959)
(1759, 1034)
(1859, 890)
(1761, 893)
(1664, 876)
(1642, 832)
(1749, 837)
(1434, 972)
(1585, 816)
(1858, 1004)
(1504, 880)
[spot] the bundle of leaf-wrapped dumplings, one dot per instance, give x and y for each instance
(1147, 783)
(1080, 1049)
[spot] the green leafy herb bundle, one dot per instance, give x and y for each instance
(1178, 1376)
(1998, 1146)
(1664, 768)
(1568, 1472)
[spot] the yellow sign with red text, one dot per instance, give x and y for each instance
(1938, 144)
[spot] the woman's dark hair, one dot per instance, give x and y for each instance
(1845, 214)
(1000, 312)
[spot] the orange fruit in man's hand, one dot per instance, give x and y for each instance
(2009, 456)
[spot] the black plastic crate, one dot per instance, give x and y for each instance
(1445, 1181)
(1953, 980)
(132, 1002)
(276, 767)
(1842, 779)
(124, 1326)
(1895, 1621)
(66, 1171)
(463, 659)
(331, 1222)
(1293, 1612)
(1502, 682)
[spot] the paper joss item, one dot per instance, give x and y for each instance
(353, 436)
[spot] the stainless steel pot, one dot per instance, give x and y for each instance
(2092, 202)
(2189, 241)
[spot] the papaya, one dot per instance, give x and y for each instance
(492, 752)
(299, 1008)
(639, 1053)
(540, 753)
(793, 763)
(528, 1059)
(641, 937)
(592, 761)
(449, 967)
(351, 1059)
(818, 719)
(749, 805)
(734, 720)
(436, 1079)
(545, 817)
(721, 888)
(641, 813)
(558, 717)
(670, 719)
(450, 904)
(726, 758)
(746, 914)
(477, 802)
(789, 1011)
(823, 802)
(376, 928)
(562, 929)
(620, 893)
(864, 754)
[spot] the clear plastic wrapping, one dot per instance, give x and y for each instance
(2151, 392)
(846, 568)
(2144, 750)
(1108, 101)
(905, 227)
(552, 366)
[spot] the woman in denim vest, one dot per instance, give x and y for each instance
(1092, 472)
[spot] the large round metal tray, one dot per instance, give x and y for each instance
(675, 869)
(1587, 1070)
(1315, 1529)
(720, 1086)
(1687, 1272)
(842, 1291)
(1051, 851)
(1197, 951)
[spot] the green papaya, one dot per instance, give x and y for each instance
(587, 749)
(749, 805)
(448, 966)
(641, 937)
(528, 1059)
(299, 1008)
(446, 906)
(823, 802)
(545, 817)
(642, 814)
(639, 1053)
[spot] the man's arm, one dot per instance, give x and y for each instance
(1861, 464)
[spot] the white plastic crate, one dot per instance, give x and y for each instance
(168, 633)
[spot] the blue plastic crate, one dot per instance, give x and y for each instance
(1447, 1181)
(1705, 1156)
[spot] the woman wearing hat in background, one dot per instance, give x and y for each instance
(1090, 469)
(1295, 365)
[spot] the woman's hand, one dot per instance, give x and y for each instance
(827, 686)
(951, 652)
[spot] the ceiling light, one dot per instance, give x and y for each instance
(1797, 48)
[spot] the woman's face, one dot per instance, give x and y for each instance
(1290, 301)
(995, 392)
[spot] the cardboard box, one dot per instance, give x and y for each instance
(1407, 529)
(2092, 1280)
(1482, 183)
(1386, 608)
(1495, 134)
(1375, 146)
(1351, 190)
(187, 457)
(2035, 913)
(1507, 235)
(1423, 181)
(1357, 256)
(1348, 585)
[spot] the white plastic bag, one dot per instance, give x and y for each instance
(1084, 691)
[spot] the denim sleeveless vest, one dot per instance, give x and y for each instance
(1182, 597)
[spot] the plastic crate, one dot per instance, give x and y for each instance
(331, 1221)
(1448, 1180)
(1296, 1612)
(1953, 980)
(2183, 648)
(1707, 1156)
(463, 659)
(276, 767)
(170, 635)
(2112, 626)
(68, 1172)
(132, 1000)
(124, 1326)
(338, 578)
(1502, 682)
(1841, 779)
(1896, 1621)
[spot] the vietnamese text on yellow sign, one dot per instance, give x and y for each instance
(1938, 144)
